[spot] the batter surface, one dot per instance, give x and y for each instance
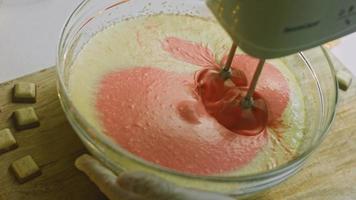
(136, 82)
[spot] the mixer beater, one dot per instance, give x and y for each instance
(238, 107)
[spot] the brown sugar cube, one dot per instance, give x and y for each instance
(24, 93)
(25, 118)
(25, 169)
(7, 141)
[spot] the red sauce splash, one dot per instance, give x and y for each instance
(158, 115)
(223, 100)
(272, 85)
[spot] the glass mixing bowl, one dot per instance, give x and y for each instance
(312, 70)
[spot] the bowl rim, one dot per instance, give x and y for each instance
(76, 118)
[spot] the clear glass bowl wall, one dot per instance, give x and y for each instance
(311, 68)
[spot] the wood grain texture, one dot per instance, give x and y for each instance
(54, 146)
(330, 173)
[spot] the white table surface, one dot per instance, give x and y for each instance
(30, 29)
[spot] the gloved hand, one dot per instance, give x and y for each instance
(137, 185)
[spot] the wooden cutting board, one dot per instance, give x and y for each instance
(329, 174)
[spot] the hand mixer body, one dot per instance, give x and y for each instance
(275, 28)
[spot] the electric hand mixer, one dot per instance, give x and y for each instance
(276, 28)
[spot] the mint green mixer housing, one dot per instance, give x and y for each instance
(276, 28)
